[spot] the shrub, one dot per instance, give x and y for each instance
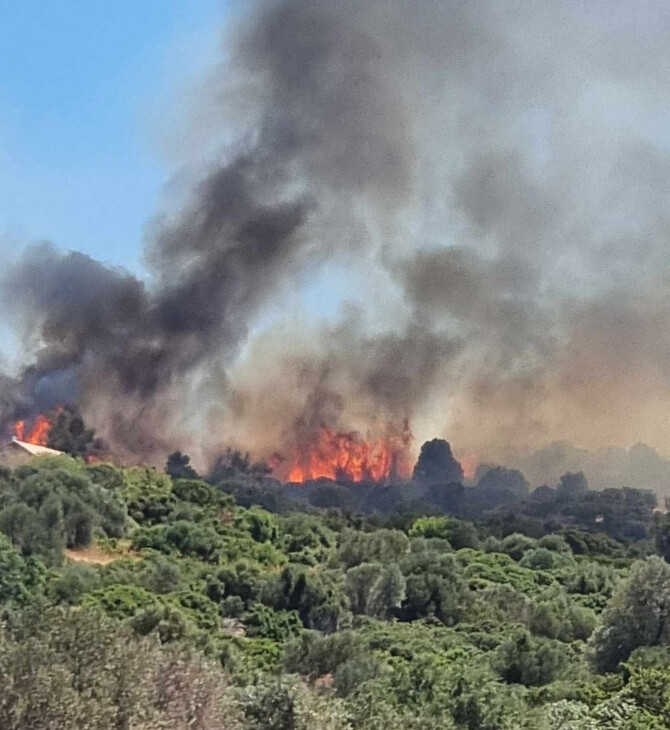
(532, 662)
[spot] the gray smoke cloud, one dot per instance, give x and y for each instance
(493, 179)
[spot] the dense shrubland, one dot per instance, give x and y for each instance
(218, 613)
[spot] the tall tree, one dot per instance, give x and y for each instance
(436, 464)
(638, 615)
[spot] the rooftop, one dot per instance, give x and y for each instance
(34, 449)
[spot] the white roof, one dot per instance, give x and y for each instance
(34, 449)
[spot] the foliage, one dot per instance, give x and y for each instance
(382, 546)
(286, 705)
(179, 466)
(326, 618)
(68, 433)
(375, 589)
(278, 626)
(532, 662)
(436, 464)
(43, 510)
(77, 671)
(459, 533)
(638, 615)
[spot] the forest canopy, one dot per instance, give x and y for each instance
(240, 605)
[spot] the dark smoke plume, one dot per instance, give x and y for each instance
(490, 179)
(125, 346)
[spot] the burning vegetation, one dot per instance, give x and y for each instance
(348, 457)
(37, 432)
(62, 429)
(485, 248)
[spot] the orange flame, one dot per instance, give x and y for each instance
(348, 457)
(469, 464)
(38, 433)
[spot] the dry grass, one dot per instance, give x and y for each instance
(95, 555)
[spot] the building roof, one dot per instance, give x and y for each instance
(34, 449)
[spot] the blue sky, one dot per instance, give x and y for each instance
(91, 96)
(83, 86)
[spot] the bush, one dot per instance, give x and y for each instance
(265, 623)
(637, 615)
(459, 533)
(317, 656)
(516, 545)
(284, 705)
(539, 559)
(56, 504)
(379, 546)
(186, 538)
(77, 670)
(532, 662)
(374, 589)
(21, 579)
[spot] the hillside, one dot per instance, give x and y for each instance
(215, 615)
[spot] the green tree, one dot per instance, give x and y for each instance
(523, 659)
(21, 579)
(434, 587)
(279, 626)
(307, 539)
(516, 545)
(459, 533)
(282, 704)
(318, 597)
(76, 670)
(375, 589)
(637, 615)
(262, 525)
(379, 546)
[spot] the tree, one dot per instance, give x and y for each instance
(261, 525)
(268, 624)
(20, 578)
(637, 615)
(183, 536)
(434, 587)
(317, 656)
(500, 480)
(280, 704)
(68, 433)
(374, 589)
(436, 464)
(572, 485)
(661, 532)
(516, 545)
(77, 670)
(459, 533)
(318, 597)
(307, 540)
(523, 659)
(382, 546)
(539, 559)
(55, 504)
(178, 466)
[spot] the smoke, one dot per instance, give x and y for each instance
(322, 125)
(493, 179)
(638, 466)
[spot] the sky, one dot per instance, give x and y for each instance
(85, 100)
(93, 100)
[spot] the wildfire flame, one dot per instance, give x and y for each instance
(37, 434)
(347, 457)
(469, 464)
